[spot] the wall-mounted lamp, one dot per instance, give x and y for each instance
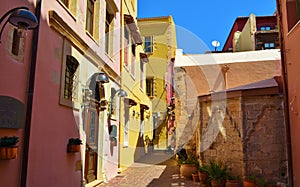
(102, 78)
(119, 93)
(20, 17)
(135, 114)
(122, 93)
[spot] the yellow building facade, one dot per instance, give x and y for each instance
(159, 37)
(136, 116)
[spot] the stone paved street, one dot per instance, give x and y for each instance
(156, 170)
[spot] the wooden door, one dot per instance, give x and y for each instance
(91, 155)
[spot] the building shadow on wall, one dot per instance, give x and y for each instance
(161, 134)
(140, 148)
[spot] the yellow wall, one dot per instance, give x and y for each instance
(131, 84)
(162, 29)
(244, 41)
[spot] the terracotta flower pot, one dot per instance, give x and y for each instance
(217, 183)
(8, 152)
(73, 148)
(186, 170)
(249, 183)
(232, 183)
(203, 177)
(195, 177)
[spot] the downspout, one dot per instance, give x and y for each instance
(285, 95)
(30, 93)
(120, 100)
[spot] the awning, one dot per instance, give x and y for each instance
(131, 102)
(133, 29)
(112, 7)
(145, 107)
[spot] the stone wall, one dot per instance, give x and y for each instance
(221, 139)
(264, 137)
(249, 136)
(186, 110)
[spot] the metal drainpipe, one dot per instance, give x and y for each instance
(120, 100)
(32, 68)
(285, 95)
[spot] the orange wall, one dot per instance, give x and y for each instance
(292, 56)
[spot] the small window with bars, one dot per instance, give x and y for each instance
(70, 77)
(150, 87)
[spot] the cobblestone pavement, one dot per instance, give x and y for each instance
(156, 170)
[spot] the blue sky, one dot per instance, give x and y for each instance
(199, 22)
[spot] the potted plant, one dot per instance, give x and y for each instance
(188, 164)
(260, 182)
(74, 145)
(113, 141)
(203, 173)
(232, 181)
(250, 181)
(217, 172)
(8, 148)
(273, 184)
(195, 177)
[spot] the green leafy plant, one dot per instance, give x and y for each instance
(8, 141)
(217, 171)
(113, 139)
(203, 168)
(190, 160)
(260, 182)
(232, 177)
(75, 141)
(251, 177)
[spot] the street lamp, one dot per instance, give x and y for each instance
(119, 93)
(102, 78)
(20, 17)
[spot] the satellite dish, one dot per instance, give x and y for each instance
(216, 44)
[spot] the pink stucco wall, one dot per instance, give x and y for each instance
(52, 124)
(13, 75)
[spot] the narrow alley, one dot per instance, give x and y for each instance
(146, 172)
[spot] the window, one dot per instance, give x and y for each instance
(71, 5)
(265, 28)
(141, 74)
(293, 12)
(70, 76)
(70, 79)
(90, 16)
(109, 33)
(16, 43)
(148, 44)
(269, 46)
(92, 130)
(150, 87)
(126, 123)
(133, 58)
(126, 45)
(65, 2)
